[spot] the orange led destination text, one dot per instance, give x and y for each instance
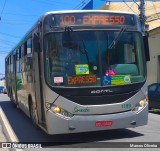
(104, 20)
(92, 20)
(81, 79)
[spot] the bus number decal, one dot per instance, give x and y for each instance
(126, 105)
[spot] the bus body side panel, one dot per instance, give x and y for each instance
(24, 86)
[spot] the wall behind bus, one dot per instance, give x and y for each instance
(153, 66)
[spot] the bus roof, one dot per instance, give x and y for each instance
(87, 11)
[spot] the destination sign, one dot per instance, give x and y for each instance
(92, 19)
(85, 79)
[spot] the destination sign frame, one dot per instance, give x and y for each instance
(75, 19)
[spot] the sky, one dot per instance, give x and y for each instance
(18, 16)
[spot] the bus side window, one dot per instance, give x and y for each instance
(29, 60)
(7, 64)
(11, 64)
(22, 58)
(29, 55)
(18, 60)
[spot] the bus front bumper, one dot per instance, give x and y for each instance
(85, 123)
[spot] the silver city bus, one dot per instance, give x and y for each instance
(81, 71)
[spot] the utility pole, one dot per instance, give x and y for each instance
(144, 27)
(142, 16)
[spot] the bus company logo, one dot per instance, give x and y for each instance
(101, 91)
(80, 110)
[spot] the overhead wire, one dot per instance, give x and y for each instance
(14, 36)
(19, 14)
(3, 8)
(50, 3)
(81, 4)
(7, 42)
(130, 7)
(136, 3)
(78, 5)
(11, 22)
(133, 10)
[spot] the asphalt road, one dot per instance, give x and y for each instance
(26, 132)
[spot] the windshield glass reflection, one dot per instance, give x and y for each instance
(85, 58)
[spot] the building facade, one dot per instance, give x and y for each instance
(153, 66)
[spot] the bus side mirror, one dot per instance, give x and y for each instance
(146, 47)
(36, 45)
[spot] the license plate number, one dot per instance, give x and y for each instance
(103, 123)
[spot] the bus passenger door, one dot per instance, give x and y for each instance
(37, 79)
(14, 79)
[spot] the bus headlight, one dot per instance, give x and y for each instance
(60, 111)
(140, 105)
(56, 109)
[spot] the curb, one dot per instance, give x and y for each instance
(7, 129)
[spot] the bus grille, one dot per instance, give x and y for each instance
(103, 99)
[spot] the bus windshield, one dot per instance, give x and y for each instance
(93, 58)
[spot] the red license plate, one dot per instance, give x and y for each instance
(103, 123)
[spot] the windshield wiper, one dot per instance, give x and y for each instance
(116, 39)
(68, 28)
(85, 51)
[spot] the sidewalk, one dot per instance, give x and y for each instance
(6, 132)
(2, 138)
